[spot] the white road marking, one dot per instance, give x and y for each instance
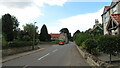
(25, 66)
(43, 56)
(55, 50)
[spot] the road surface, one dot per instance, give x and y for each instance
(56, 55)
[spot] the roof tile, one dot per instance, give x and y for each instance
(55, 35)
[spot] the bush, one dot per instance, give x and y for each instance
(81, 37)
(20, 43)
(118, 43)
(91, 46)
(109, 44)
(4, 42)
(26, 38)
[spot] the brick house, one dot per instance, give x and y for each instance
(111, 18)
(54, 36)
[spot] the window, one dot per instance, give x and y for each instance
(106, 17)
(114, 10)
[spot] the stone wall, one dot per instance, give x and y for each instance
(91, 59)
(11, 51)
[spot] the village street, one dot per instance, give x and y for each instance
(56, 55)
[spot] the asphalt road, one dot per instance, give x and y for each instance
(56, 55)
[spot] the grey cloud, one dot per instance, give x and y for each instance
(15, 0)
(16, 4)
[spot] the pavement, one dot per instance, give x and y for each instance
(56, 55)
(105, 57)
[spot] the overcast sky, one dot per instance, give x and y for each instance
(56, 14)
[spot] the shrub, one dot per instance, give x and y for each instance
(118, 43)
(26, 38)
(91, 46)
(4, 42)
(20, 43)
(109, 44)
(81, 37)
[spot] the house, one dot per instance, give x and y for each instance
(111, 18)
(97, 28)
(63, 36)
(55, 36)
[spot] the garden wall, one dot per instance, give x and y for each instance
(11, 51)
(92, 60)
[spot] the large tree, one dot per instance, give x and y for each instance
(44, 36)
(74, 35)
(0, 26)
(15, 27)
(30, 30)
(7, 27)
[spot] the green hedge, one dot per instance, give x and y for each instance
(20, 43)
(109, 44)
(90, 45)
(15, 44)
(81, 37)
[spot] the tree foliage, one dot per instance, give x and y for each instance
(91, 46)
(74, 35)
(44, 36)
(81, 37)
(30, 30)
(109, 44)
(7, 27)
(0, 26)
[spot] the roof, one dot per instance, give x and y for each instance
(95, 28)
(114, 3)
(116, 17)
(54, 35)
(107, 7)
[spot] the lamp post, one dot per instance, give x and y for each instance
(34, 36)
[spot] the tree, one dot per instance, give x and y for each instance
(7, 27)
(0, 26)
(81, 37)
(65, 30)
(107, 44)
(90, 45)
(44, 36)
(74, 35)
(15, 27)
(30, 30)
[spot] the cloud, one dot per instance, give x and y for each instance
(50, 2)
(90, 0)
(81, 21)
(24, 15)
(26, 10)
(16, 4)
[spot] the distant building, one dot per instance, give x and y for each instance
(55, 36)
(63, 36)
(111, 18)
(97, 29)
